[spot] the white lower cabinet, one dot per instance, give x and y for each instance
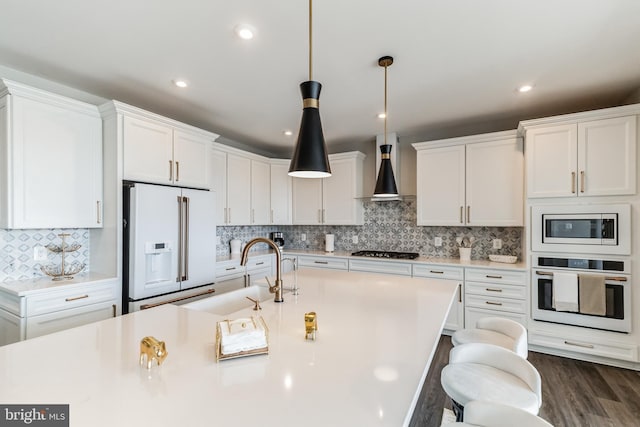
(456, 318)
(308, 261)
(56, 308)
(230, 275)
(383, 267)
(495, 293)
(569, 343)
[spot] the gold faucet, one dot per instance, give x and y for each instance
(277, 288)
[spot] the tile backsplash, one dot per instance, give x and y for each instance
(389, 226)
(17, 247)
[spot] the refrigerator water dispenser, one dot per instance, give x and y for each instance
(158, 262)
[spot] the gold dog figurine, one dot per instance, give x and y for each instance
(152, 349)
(311, 325)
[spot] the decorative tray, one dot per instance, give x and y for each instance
(508, 259)
(220, 356)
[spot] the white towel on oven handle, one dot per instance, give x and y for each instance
(565, 291)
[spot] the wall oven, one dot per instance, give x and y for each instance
(596, 229)
(613, 275)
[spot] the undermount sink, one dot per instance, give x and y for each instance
(231, 302)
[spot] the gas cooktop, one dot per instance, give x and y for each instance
(386, 254)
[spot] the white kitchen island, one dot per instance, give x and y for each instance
(376, 337)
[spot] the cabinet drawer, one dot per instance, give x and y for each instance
(493, 290)
(11, 303)
(472, 315)
(80, 296)
(611, 349)
(438, 271)
(65, 319)
(259, 263)
(498, 304)
(229, 270)
(384, 267)
(496, 276)
(323, 262)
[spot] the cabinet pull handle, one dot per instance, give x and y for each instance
(228, 215)
(253, 215)
(577, 344)
(147, 306)
(230, 268)
(113, 307)
(459, 292)
(225, 215)
(319, 216)
(493, 290)
(582, 181)
(468, 214)
(98, 216)
(177, 171)
(260, 263)
(77, 298)
(489, 276)
(272, 216)
(493, 303)
(321, 262)
(170, 170)
(573, 182)
(323, 216)
(461, 209)
(436, 272)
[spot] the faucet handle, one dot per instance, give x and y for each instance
(272, 289)
(256, 307)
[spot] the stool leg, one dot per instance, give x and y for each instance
(458, 410)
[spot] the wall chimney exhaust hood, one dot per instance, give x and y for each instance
(392, 140)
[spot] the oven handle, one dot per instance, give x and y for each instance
(612, 278)
(171, 301)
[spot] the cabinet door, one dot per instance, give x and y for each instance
(455, 319)
(280, 193)
(551, 161)
(148, 151)
(260, 192)
(190, 159)
(55, 167)
(494, 183)
(238, 190)
(217, 172)
(307, 201)
(340, 206)
(11, 328)
(440, 186)
(607, 157)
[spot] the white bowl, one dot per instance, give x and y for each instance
(509, 259)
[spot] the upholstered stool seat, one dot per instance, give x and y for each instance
(497, 331)
(487, 414)
(487, 372)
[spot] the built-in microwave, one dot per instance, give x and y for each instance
(599, 229)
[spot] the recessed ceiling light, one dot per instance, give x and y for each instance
(245, 32)
(180, 83)
(382, 115)
(525, 88)
(288, 133)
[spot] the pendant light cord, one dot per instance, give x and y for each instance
(310, 43)
(385, 104)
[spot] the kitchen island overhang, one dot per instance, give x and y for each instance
(376, 337)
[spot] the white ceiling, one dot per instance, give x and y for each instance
(457, 63)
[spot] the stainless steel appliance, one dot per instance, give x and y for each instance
(169, 245)
(617, 282)
(594, 229)
(278, 238)
(387, 254)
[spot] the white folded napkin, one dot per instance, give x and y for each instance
(565, 291)
(242, 335)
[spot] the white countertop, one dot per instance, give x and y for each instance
(38, 284)
(376, 337)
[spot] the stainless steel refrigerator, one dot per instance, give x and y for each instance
(169, 245)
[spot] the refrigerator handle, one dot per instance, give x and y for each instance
(185, 271)
(180, 220)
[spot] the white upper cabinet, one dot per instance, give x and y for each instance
(581, 156)
(50, 160)
(260, 192)
(162, 151)
(474, 181)
(281, 190)
(217, 178)
(334, 200)
(238, 190)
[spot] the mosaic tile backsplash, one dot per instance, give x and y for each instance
(389, 226)
(17, 246)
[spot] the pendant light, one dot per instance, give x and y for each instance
(386, 182)
(310, 158)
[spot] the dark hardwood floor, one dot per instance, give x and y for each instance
(574, 393)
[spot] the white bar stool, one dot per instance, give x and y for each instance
(487, 372)
(487, 414)
(499, 331)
